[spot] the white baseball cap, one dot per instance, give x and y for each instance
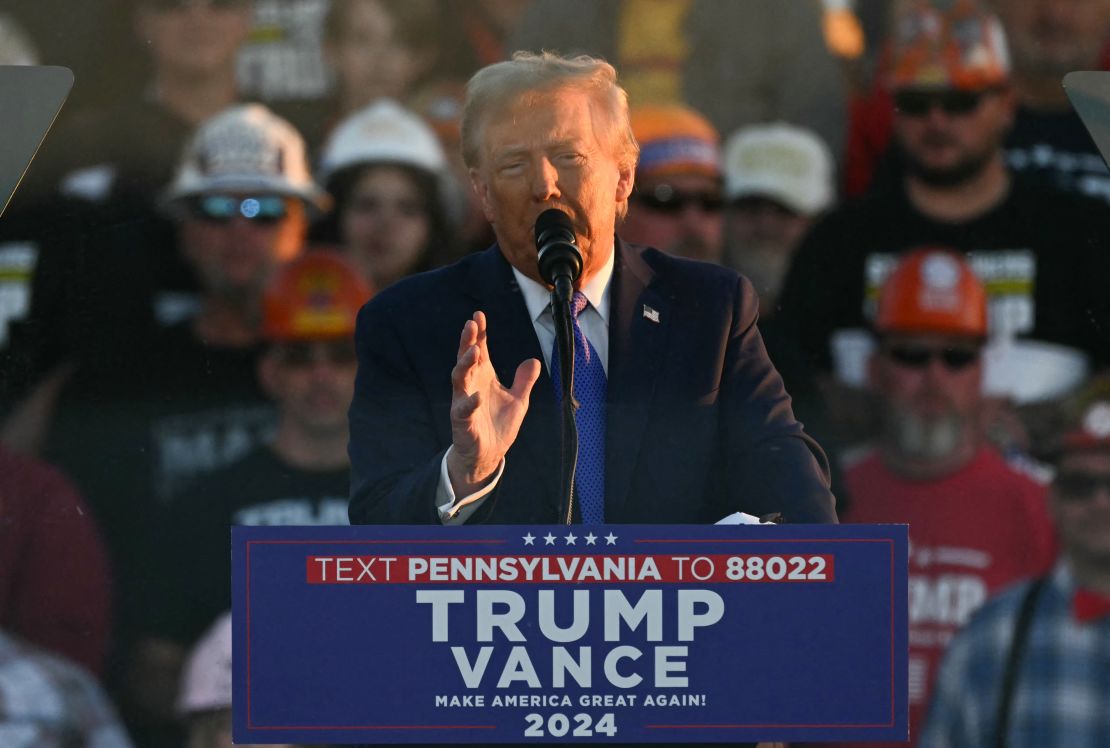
(206, 681)
(246, 148)
(782, 162)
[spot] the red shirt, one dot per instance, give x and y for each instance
(971, 534)
(54, 580)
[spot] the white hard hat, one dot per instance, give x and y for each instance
(787, 164)
(206, 682)
(383, 132)
(246, 148)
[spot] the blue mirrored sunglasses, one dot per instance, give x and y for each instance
(223, 208)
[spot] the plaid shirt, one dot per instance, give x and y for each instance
(45, 702)
(1062, 695)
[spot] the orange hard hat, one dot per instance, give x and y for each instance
(963, 47)
(315, 296)
(933, 291)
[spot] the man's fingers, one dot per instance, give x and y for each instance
(460, 375)
(526, 375)
(480, 338)
(468, 337)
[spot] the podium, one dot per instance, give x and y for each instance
(576, 633)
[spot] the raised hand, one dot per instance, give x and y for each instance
(485, 416)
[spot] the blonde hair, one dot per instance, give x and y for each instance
(495, 86)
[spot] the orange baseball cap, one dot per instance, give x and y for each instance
(963, 47)
(933, 291)
(675, 140)
(316, 296)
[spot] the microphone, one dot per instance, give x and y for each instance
(559, 257)
(560, 264)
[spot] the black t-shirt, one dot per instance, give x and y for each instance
(1054, 149)
(211, 412)
(133, 433)
(189, 573)
(102, 283)
(114, 286)
(1042, 255)
(30, 231)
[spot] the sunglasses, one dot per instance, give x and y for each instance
(1077, 486)
(304, 355)
(956, 103)
(919, 357)
(223, 208)
(667, 200)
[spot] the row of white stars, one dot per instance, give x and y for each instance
(570, 539)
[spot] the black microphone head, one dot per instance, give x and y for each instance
(553, 224)
(559, 255)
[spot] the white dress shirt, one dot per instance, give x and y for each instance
(594, 321)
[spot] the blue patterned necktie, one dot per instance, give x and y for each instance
(589, 391)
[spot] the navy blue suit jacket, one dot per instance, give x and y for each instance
(698, 422)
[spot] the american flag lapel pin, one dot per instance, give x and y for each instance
(651, 314)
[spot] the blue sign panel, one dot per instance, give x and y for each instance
(617, 633)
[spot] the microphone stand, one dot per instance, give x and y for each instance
(564, 336)
(560, 263)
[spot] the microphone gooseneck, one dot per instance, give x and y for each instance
(560, 263)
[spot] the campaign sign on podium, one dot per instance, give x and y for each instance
(611, 634)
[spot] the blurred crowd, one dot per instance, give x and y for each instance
(905, 183)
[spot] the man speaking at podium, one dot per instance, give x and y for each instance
(681, 416)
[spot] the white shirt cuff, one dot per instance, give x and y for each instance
(457, 513)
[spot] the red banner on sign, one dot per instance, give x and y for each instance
(569, 569)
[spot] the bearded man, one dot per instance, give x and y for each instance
(1037, 250)
(931, 467)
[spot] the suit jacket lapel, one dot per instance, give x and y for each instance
(639, 324)
(512, 339)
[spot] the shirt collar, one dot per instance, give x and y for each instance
(537, 296)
